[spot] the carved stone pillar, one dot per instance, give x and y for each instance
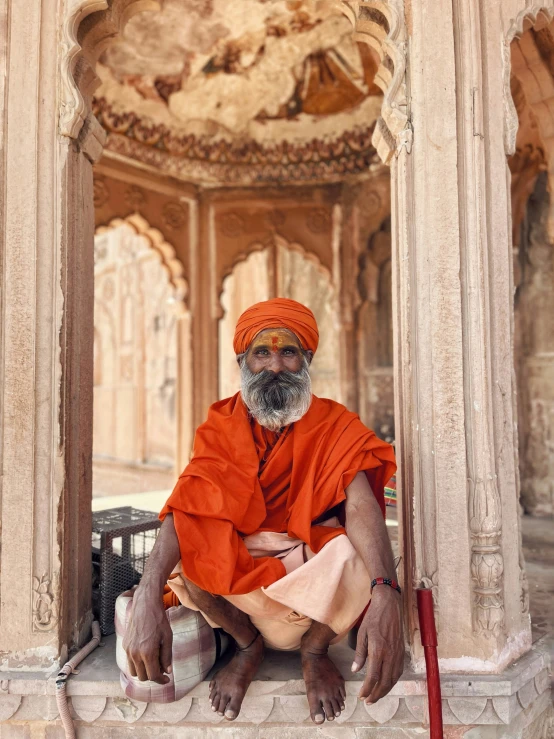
(453, 309)
(50, 141)
(47, 352)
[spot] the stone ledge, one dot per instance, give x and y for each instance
(277, 697)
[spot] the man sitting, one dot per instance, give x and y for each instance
(255, 520)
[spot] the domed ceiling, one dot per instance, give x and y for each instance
(241, 92)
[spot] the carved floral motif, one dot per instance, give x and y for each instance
(174, 215)
(45, 611)
(135, 197)
(235, 162)
(318, 221)
(231, 225)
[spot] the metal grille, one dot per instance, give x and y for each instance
(122, 539)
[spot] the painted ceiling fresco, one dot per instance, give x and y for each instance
(254, 72)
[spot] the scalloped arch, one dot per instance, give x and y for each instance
(256, 246)
(530, 16)
(310, 256)
(87, 27)
(167, 254)
(380, 24)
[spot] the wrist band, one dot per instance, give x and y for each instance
(385, 581)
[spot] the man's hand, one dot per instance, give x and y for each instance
(381, 642)
(149, 639)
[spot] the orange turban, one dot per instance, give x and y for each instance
(276, 313)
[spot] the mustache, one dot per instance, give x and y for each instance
(276, 387)
(276, 399)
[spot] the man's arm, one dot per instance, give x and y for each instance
(380, 636)
(149, 638)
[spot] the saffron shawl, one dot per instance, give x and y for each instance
(221, 495)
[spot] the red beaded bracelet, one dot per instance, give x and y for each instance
(385, 581)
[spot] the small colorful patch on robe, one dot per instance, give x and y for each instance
(390, 492)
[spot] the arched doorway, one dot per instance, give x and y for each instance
(140, 329)
(283, 270)
(532, 167)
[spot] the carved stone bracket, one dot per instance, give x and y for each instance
(530, 16)
(74, 108)
(73, 111)
(380, 24)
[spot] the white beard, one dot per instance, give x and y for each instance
(276, 402)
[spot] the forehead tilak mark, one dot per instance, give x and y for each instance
(277, 338)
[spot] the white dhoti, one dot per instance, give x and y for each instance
(331, 587)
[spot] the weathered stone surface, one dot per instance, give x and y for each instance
(88, 708)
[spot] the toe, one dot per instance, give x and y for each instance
(233, 709)
(329, 711)
(336, 707)
(228, 711)
(222, 704)
(316, 711)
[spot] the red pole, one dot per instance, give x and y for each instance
(429, 643)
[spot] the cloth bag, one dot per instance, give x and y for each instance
(196, 646)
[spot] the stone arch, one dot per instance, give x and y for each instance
(380, 24)
(536, 16)
(243, 256)
(309, 255)
(529, 133)
(278, 252)
(166, 251)
(175, 329)
(88, 27)
(271, 242)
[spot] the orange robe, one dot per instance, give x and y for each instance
(243, 479)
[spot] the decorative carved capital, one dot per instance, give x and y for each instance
(381, 25)
(73, 107)
(73, 110)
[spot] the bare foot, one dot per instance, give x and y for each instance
(229, 685)
(324, 684)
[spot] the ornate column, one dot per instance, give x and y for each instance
(452, 302)
(50, 142)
